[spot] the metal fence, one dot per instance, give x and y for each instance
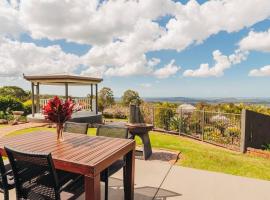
(219, 128)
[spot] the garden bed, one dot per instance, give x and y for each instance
(258, 152)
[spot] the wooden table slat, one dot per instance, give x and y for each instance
(77, 148)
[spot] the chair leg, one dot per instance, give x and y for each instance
(124, 179)
(6, 195)
(106, 184)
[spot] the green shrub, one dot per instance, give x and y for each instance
(15, 92)
(116, 111)
(266, 147)
(215, 135)
(108, 115)
(147, 112)
(27, 106)
(163, 117)
(233, 131)
(9, 104)
(6, 116)
(175, 123)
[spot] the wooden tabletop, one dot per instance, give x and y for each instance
(87, 155)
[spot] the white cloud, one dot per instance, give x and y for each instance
(222, 62)
(167, 70)
(264, 71)
(17, 58)
(9, 19)
(127, 56)
(258, 41)
(193, 23)
(121, 32)
(98, 23)
(88, 21)
(190, 23)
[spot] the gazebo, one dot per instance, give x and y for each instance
(186, 108)
(89, 104)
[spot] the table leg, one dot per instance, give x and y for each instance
(129, 175)
(92, 187)
(147, 149)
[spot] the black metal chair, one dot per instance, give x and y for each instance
(6, 178)
(115, 132)
(37, 179)
(73, 127)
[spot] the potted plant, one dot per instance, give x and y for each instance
(58, 112)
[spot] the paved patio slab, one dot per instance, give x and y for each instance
(161, 181)
(193, 184)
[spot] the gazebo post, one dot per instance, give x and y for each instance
(96, 98)
(91, 97)
(66, 90)
(37, 98)
(33, 99)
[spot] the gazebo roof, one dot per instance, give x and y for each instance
(60, 79)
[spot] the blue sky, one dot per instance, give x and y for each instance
(234, 80)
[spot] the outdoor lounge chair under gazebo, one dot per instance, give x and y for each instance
(89, 112)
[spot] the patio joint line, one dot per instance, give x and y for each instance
(166, 175)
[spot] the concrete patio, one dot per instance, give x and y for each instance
(160, 180)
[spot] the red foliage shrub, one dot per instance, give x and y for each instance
(58, 111)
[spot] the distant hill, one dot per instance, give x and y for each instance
(190, 100)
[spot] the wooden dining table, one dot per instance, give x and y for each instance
(82, 154)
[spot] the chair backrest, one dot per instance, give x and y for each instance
(112, 131)
(3, 176)
(73, 127)
(34, 175)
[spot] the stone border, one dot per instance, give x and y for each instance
(258, 152)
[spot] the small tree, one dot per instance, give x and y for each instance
(131, 96)
(105, 98)
(15, 92)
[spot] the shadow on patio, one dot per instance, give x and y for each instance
(141, 193)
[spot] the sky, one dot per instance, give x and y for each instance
(160, 48)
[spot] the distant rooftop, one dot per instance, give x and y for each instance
(60, 79)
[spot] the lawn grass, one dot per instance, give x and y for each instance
(199, 155)
(3, 125)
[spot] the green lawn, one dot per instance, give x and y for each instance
(198, 155)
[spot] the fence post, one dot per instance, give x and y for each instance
(203, 118)
(243, 131)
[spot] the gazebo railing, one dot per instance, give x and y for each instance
(43, 102)
(84, 102)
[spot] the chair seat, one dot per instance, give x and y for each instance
(70, 192)
(64, 176)
(119, 164)
(73, 191)
(10, 179)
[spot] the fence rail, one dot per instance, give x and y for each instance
(223, 129)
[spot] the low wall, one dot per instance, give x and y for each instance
(87, 117)
(255, 130)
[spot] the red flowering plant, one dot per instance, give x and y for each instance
(59, 112)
